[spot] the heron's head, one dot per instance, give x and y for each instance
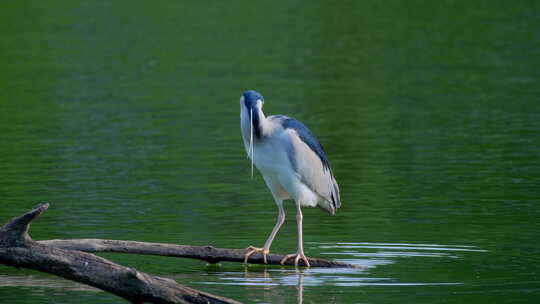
(252, 100)
(251, 117)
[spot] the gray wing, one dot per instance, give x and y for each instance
(309, 160)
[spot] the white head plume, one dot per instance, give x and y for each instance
(251, 148)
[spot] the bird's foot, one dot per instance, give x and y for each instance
(251, 250)
(297, 257)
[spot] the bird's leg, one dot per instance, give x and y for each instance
(300, 253)
(266, 248)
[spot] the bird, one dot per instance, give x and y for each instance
(293, 164)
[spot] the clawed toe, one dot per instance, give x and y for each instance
(297, 256)
(252, 250)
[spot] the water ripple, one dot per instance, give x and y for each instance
(367, 255)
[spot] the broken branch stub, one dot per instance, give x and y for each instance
(19, 250)
(15, 232)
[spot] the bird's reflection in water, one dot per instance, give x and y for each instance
(300, 287)
(273, 285)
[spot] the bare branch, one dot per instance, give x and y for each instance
(206, 253)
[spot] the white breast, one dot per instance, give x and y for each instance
(271, 159)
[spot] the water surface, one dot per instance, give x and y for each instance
(126, 119)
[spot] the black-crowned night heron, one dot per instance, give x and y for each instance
(293, 164)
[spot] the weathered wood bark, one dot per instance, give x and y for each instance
(19, 250)
(206, 253)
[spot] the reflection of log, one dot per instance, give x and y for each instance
(19, 250)
(206, 253)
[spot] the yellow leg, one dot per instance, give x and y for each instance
(266, 248)
(299, 255)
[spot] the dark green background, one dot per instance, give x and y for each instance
(125, 117)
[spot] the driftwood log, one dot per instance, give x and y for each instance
(206, 253)
(72, 260)
(17, 249)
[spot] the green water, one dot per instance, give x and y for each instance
(125, 117)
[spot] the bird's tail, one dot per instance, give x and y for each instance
(331, 204)
(327, 206)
